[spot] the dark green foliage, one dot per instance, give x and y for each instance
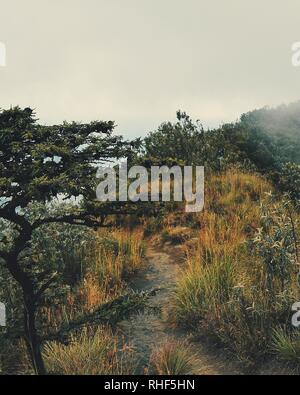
(250, 146)
(39, 162)
(182, 141)
(282, 123)
(187, 143)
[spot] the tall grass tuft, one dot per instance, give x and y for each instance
(89, 353)
(203, 288)
(286, 346)
(174, 358)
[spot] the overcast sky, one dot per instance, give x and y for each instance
(138, 61)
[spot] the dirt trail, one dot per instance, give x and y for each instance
(146, 331)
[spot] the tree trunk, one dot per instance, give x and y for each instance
(32, 338)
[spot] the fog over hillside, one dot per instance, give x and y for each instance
(283, 123)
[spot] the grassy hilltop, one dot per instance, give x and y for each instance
(101, 278)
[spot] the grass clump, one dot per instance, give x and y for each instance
(89, 353)
(286, 346)
(202, 289)
(174, 358)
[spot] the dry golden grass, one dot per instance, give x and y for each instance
(111, 259)
(231, 215)
(89, 353)
(222, 288)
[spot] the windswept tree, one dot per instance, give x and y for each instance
(38, 164)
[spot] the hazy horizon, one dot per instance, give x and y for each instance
(138, 62)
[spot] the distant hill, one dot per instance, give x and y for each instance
(282, 123)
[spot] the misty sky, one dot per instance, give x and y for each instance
(138, 61)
